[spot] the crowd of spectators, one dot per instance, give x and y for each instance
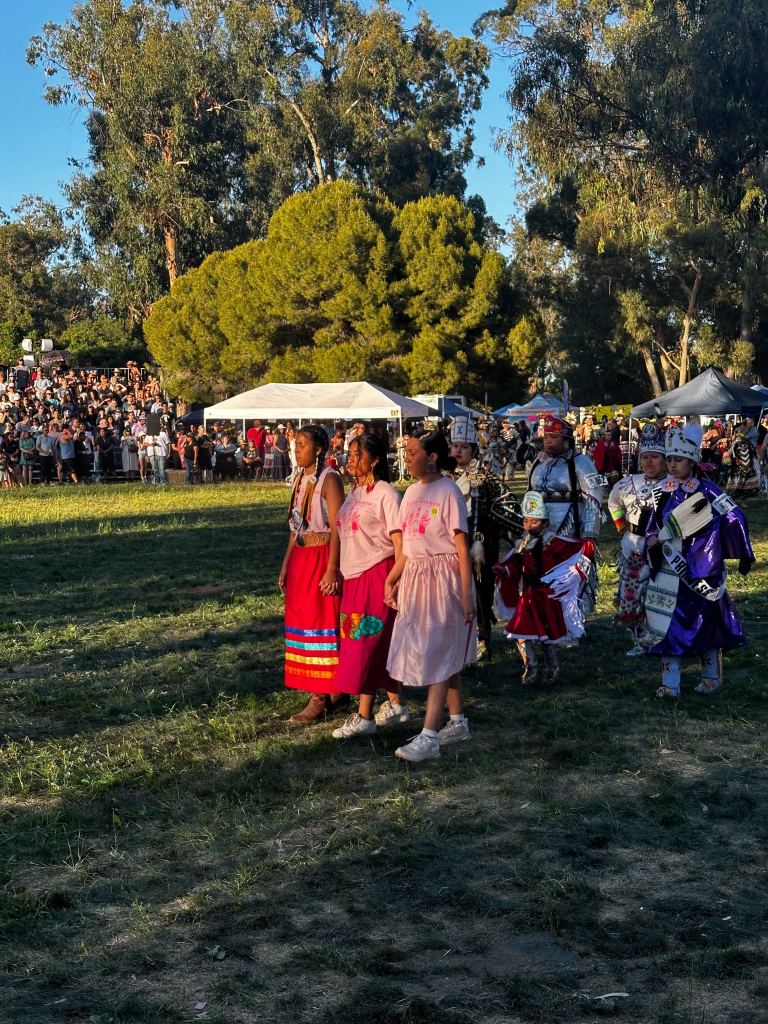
(61, 425)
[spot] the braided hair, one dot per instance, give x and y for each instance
(319, 440)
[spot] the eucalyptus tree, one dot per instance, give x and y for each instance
(657, 116)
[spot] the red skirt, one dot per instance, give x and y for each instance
(537, 616)
(311, 623)
(366, 629)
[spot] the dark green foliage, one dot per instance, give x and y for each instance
(347, 287)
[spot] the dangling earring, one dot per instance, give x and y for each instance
(370, 482)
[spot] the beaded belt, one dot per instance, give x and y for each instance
(312, 540)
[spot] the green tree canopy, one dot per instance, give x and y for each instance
(204, 115)
(346, 286)
(644, 128)
(40, 291)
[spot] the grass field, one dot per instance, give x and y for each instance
(170, 851)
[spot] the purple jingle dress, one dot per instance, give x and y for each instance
(697, 624)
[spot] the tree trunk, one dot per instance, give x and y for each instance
(747, 312)
(668, 372)
(693, 298)
(171, 262)
(650, 367)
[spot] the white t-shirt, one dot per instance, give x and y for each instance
(365, 522)
(431, 514)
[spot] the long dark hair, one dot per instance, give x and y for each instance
(434, 442)
(319, 440)
(376, 447)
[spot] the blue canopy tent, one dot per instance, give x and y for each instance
(506, 410)
(447, 407)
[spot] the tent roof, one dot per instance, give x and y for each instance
(317, 401)
(450, 408)
(711, 393)
(539, 405)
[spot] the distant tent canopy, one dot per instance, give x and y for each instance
(709, 394)
(350, 400)
(539, 405)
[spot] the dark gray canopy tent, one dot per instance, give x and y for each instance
(709, 394)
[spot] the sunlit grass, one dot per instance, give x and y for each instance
(166, 841)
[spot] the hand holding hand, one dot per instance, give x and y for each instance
(329, 584)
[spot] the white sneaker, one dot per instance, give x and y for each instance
(355, 725)
(454, 732)
(392, 713)
(420, 748)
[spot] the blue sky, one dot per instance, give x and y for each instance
(39, 139)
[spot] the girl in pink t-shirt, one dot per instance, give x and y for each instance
(371, 536)
(431, 587)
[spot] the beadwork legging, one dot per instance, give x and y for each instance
(671, 667)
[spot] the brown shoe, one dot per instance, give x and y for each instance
(317, 707)
(339, 702)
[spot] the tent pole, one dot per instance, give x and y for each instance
(400, 448)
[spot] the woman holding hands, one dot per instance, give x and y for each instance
(371, 539)
(310, 579)
(430, 586)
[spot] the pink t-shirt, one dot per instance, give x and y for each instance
(365, 522)
(431, 514)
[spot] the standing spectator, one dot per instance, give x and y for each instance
(157, 447)
(291, 433)
(27, 457)
(608, 456)
(258, 435)
(280, 453)
(104, 463)
(66, 445)
(129, 454)
(185, 447)
(226, 463)
(84, 453)
(45, 444)
(5, 476)
(203, 450)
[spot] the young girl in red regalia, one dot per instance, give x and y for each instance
(538, 586)
(310, 577)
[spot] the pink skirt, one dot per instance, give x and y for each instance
(366, 629)
(430, 640)
(311, 623)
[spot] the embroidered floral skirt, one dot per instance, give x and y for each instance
(430, 641)
(366, 629)
(311, 623)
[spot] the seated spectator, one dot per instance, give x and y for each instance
(252, 461)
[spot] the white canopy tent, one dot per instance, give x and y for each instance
(302, 402)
